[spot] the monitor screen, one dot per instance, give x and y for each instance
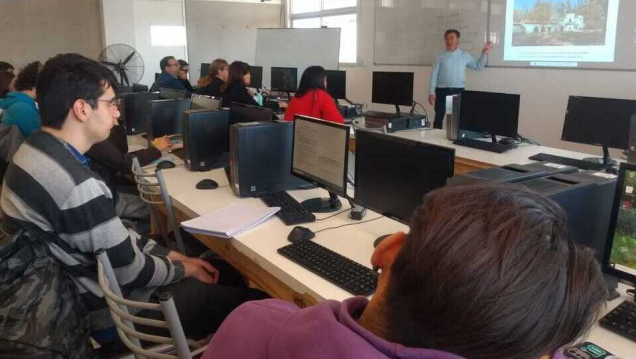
(393, 88)
(205, 69)
(620, 250)
(257, 77)
(337, 84)
(598, 121)
(495, 113)
(319, 153)
(166, 117)
(394, 174)
(284, 79)
(202, 102)
(240, 113)
(166, 93)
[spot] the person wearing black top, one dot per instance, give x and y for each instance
(235, 89)
(210, 85)
(184, 68)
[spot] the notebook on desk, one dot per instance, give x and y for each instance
(229, 221)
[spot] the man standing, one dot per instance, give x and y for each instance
(449, 74)
(169, 77)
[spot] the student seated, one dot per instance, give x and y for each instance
(312, 98)
(19, 106)
(48, 185)
(169, 77)
(487, 271)
(235, 89)
(210, 85)
(6, 78)
(184, 69)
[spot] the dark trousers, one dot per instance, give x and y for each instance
(440, 103)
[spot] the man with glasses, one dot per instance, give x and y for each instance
(169, 77)
(183, 75)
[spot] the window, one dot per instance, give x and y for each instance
(332, 14)
(168, 36)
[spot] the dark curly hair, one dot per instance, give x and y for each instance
(28, 76)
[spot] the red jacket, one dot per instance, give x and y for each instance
(316, 103)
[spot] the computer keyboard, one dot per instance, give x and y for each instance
(179, 152)
(622, 320)
(580, 164)
(484, 145)
(339, 270)
(291, 212)
(378, 114)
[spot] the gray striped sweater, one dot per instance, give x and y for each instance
(47, 187)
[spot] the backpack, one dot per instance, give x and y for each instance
(41, 312)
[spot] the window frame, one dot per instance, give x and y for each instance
(351, 10)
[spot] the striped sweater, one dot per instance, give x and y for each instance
(47, 187)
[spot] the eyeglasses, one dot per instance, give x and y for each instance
(114, 103)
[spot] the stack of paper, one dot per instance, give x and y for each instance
(229, 221)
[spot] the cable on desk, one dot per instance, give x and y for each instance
(350, 224)
(333, 215)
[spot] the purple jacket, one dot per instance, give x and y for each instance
(272, 328)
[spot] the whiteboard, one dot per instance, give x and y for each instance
(299, 48)
(411, 32)
(227, 30)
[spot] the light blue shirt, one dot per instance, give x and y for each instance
(450, 69)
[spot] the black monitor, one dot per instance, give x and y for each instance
(139, 88)
(319, 155)
(599, 121)
(620, 249)
(166, 93)
(257, 77)
(393, 88)
(394, 174)
(491, 112)
(166, 117)
(337, 84)
(135, 111)
(284, 79)
(240, 113)
(205, 69)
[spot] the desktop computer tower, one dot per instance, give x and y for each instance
(452, 117)
(260, 158)
(135, 111)
(205, 139)
(512, 173)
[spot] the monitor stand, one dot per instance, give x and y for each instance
(397, 109)
(605, 160)
(323, 205)
(611, 283)
(494, 139)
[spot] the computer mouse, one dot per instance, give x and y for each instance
(164, 165)
(379, 239)
(207, 184)
(299, 234)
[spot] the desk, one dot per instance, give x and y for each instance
(254, 253)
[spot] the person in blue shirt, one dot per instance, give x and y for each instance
(449, 74)
(19, 106)
(169, 77)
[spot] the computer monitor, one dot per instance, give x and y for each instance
(139, 88)
(166, 117)
(166, 93)
(620, 250)
(284, 79)
(203, 102)
(337, 84)
(257, 77)
(393, 88)
(205, 69)
(600, 122)
(394, 174)
(240, 113)
(319, 155)
(135, 111)
(491, 112)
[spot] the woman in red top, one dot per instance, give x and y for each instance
(312, 98)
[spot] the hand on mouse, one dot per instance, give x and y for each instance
(162, 143)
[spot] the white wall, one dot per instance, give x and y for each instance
(544, 92)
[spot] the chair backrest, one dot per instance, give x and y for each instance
(125, 322)
(149, 190)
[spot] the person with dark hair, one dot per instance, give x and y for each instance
(169, 77)
(235, 89)
(184, 69)
(19, 106)
(449, 73)
(211, 84)
(312, 98)
(6, 78)
(487, 271)
(49, 185)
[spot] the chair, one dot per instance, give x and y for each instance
(174, 347)
(150, 190)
